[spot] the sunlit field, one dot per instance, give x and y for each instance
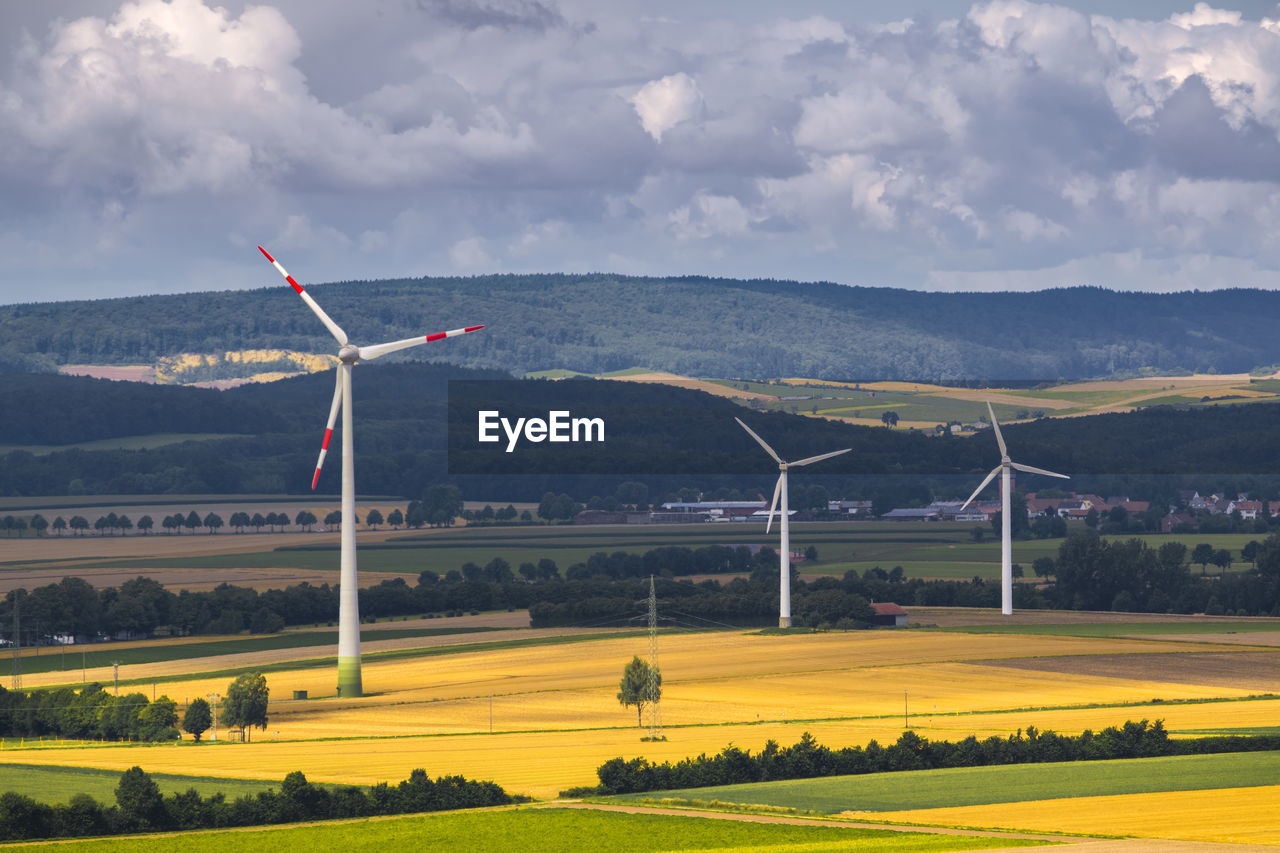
(1235, 815)
(554, 714)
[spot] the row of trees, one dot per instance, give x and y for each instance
(240, 521)
(92, 713)
(809, 759)
(140, 806)
(88, 714)
(1092, 573)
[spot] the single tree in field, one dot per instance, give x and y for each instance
(213, 521)
(257, 522)
(890, 418)
(79, 524)
(192, 521)
(1222, 559)
(373, 519)
(1250, 552)
(245, 704)
(635, 688)
(145, 524)
(333, 520)
(1202, 554)
(395, 518)
(304, 519)
(39, 524)
(59, 525)
(197, 719)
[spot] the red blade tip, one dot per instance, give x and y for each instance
(267, 254)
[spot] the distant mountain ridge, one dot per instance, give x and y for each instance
(694, 326)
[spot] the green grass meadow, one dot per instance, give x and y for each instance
(546, 830)
(60, 784)
(967, 786)
(71, 659)
(922, 549)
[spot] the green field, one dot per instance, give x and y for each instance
(547, 830)
(928, 550)
(71, 659)
(132, 442)
(966, 786)
(60, 784)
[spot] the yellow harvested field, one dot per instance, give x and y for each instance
(713, 388)
(1230, 815)
(555, 715)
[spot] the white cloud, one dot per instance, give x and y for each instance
(662, 104)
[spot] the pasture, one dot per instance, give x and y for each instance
(968, 786)
(551, 830)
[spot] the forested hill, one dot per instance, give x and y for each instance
(695, 326)
(417, 426)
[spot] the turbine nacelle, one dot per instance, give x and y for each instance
(349, 354)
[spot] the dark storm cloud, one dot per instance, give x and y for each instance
(1013, 144)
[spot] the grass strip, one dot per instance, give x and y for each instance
(547, 830)
(51, 784)
(966, 786)
(71, 658)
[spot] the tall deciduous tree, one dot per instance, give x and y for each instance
(635, 688)
(198, 718)
(245, 704)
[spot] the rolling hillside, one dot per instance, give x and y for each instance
(691, 326)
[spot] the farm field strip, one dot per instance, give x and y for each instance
(551, 830)
(555, 715)
(1245, 815)
(856, 796)
(544, 763)
(302, 658)
(60, 784)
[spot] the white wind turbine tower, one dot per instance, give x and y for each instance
(1006, 547)
(349, 683)
(784, 601)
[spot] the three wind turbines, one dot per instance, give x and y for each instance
(784, 601)
(349, 682)
(1006, 549)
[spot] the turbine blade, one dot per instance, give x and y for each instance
(777, 492)
(334, 328)
(1031, 470)
(377, 350)
(760, 441)
(813, 459)
(982, 486)
(1004, 451)
(328, 430)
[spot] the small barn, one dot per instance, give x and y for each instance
(888, 615)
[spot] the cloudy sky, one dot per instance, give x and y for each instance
(147, 146)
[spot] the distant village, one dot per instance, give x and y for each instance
(1185, 517)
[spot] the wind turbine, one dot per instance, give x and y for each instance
(1006, 547)
(784, 601)
(349, 683)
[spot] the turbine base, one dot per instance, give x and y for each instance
(784, 621)
(349, 685)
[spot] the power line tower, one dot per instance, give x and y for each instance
(653, 684)
(17, 643)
